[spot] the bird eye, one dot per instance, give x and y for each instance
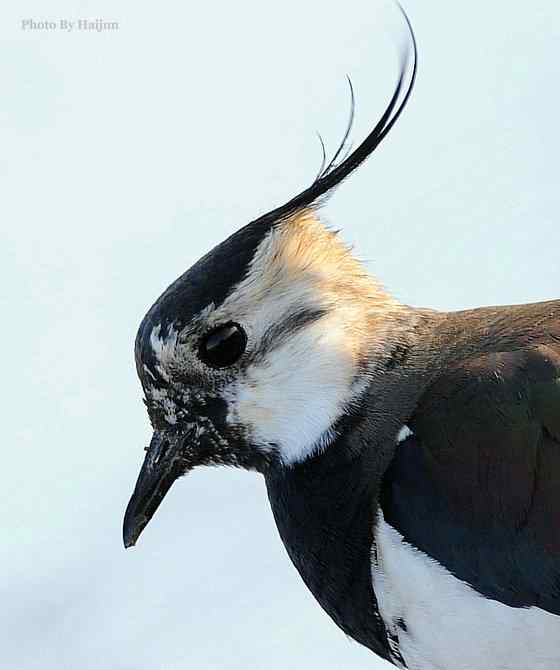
(223, 346)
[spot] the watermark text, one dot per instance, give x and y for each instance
(69, 25)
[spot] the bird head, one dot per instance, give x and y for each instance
(252, 356)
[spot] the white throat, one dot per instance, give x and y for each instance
(291, 400)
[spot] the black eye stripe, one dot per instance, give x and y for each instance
(275, 334)
(223, 346)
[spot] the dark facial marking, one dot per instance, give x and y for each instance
(401, 623)
(277, 333)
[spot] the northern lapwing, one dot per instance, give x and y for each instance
(411, 457)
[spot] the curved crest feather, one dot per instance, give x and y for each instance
(334, 173)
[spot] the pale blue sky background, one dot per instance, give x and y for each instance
(125, 156)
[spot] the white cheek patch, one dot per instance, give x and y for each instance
(293, 397)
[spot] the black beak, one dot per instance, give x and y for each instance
(165, 461)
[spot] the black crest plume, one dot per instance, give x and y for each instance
(211, 278)
(333, 174)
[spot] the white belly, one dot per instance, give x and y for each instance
(441, 623)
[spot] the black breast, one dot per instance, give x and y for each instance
(325, 513)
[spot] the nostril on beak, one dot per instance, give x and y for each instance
(164, 448)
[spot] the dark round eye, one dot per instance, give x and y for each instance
(223, 346)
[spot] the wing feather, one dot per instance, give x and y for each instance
(477, 485)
